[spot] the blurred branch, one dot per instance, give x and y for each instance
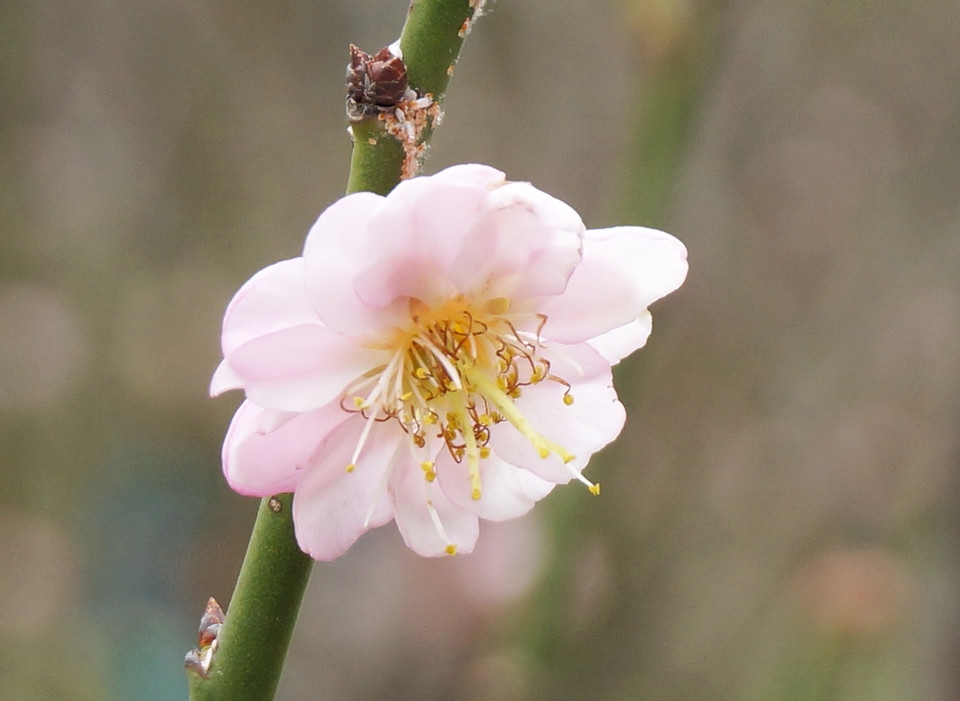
(681, 49)
(681, 54)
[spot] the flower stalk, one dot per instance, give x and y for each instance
(244, 659)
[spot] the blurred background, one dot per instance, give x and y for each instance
(781, 517)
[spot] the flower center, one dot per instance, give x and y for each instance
(455, 374)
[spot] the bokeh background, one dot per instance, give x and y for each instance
(780, 519)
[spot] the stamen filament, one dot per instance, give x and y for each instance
(363, 438)
(451, 549)
(489, 389)
(459, 402)
(443, 360)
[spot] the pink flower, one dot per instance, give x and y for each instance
(436, 356)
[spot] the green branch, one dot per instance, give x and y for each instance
(246, 659)
(252, 643)
(431, 43)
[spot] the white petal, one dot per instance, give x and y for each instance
(418, 232)
(301, 368)
(414, 498)
(224, 379)
(337, 250)
(265, 451)
(333, 507)
(482, 175)
(506, 491)
(273, 299)
(623, 271)
(512, 252)
(620, 342)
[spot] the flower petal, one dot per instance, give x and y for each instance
(273, 299)
(506, 491)
(266, 450)
(624, 270)
(417, 233)
(475, 173)
(414, 497)
(620, 342)
(224, 379)
(514, 253)
(276, 347)
(301, 368)
(333, 507)
(338, 247)
(551, 212)
(594, 418)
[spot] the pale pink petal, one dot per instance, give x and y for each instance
(333, 507)
(413, 496)
(339, 246)
(273, 299)
(624, 270)
(482, 175)
(301, 368)
(506, 491)
(276, 347)
(265, 450)
(513, 253)
(552, 213)
(620, 342)
(224, 379)
(418, 231)
(593, 420)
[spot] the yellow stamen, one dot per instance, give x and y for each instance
(506, 406)
(428, 472)
(351, 467)
(568, 399)
(497, 306)
(451, 549)
(459, 402)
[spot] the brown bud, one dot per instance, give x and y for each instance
(375, 83)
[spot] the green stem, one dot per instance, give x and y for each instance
(252, 644)
(431, 44)
(376, 161)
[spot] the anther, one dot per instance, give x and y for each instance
(428, 472)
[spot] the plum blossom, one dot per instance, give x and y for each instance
(436, 356)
